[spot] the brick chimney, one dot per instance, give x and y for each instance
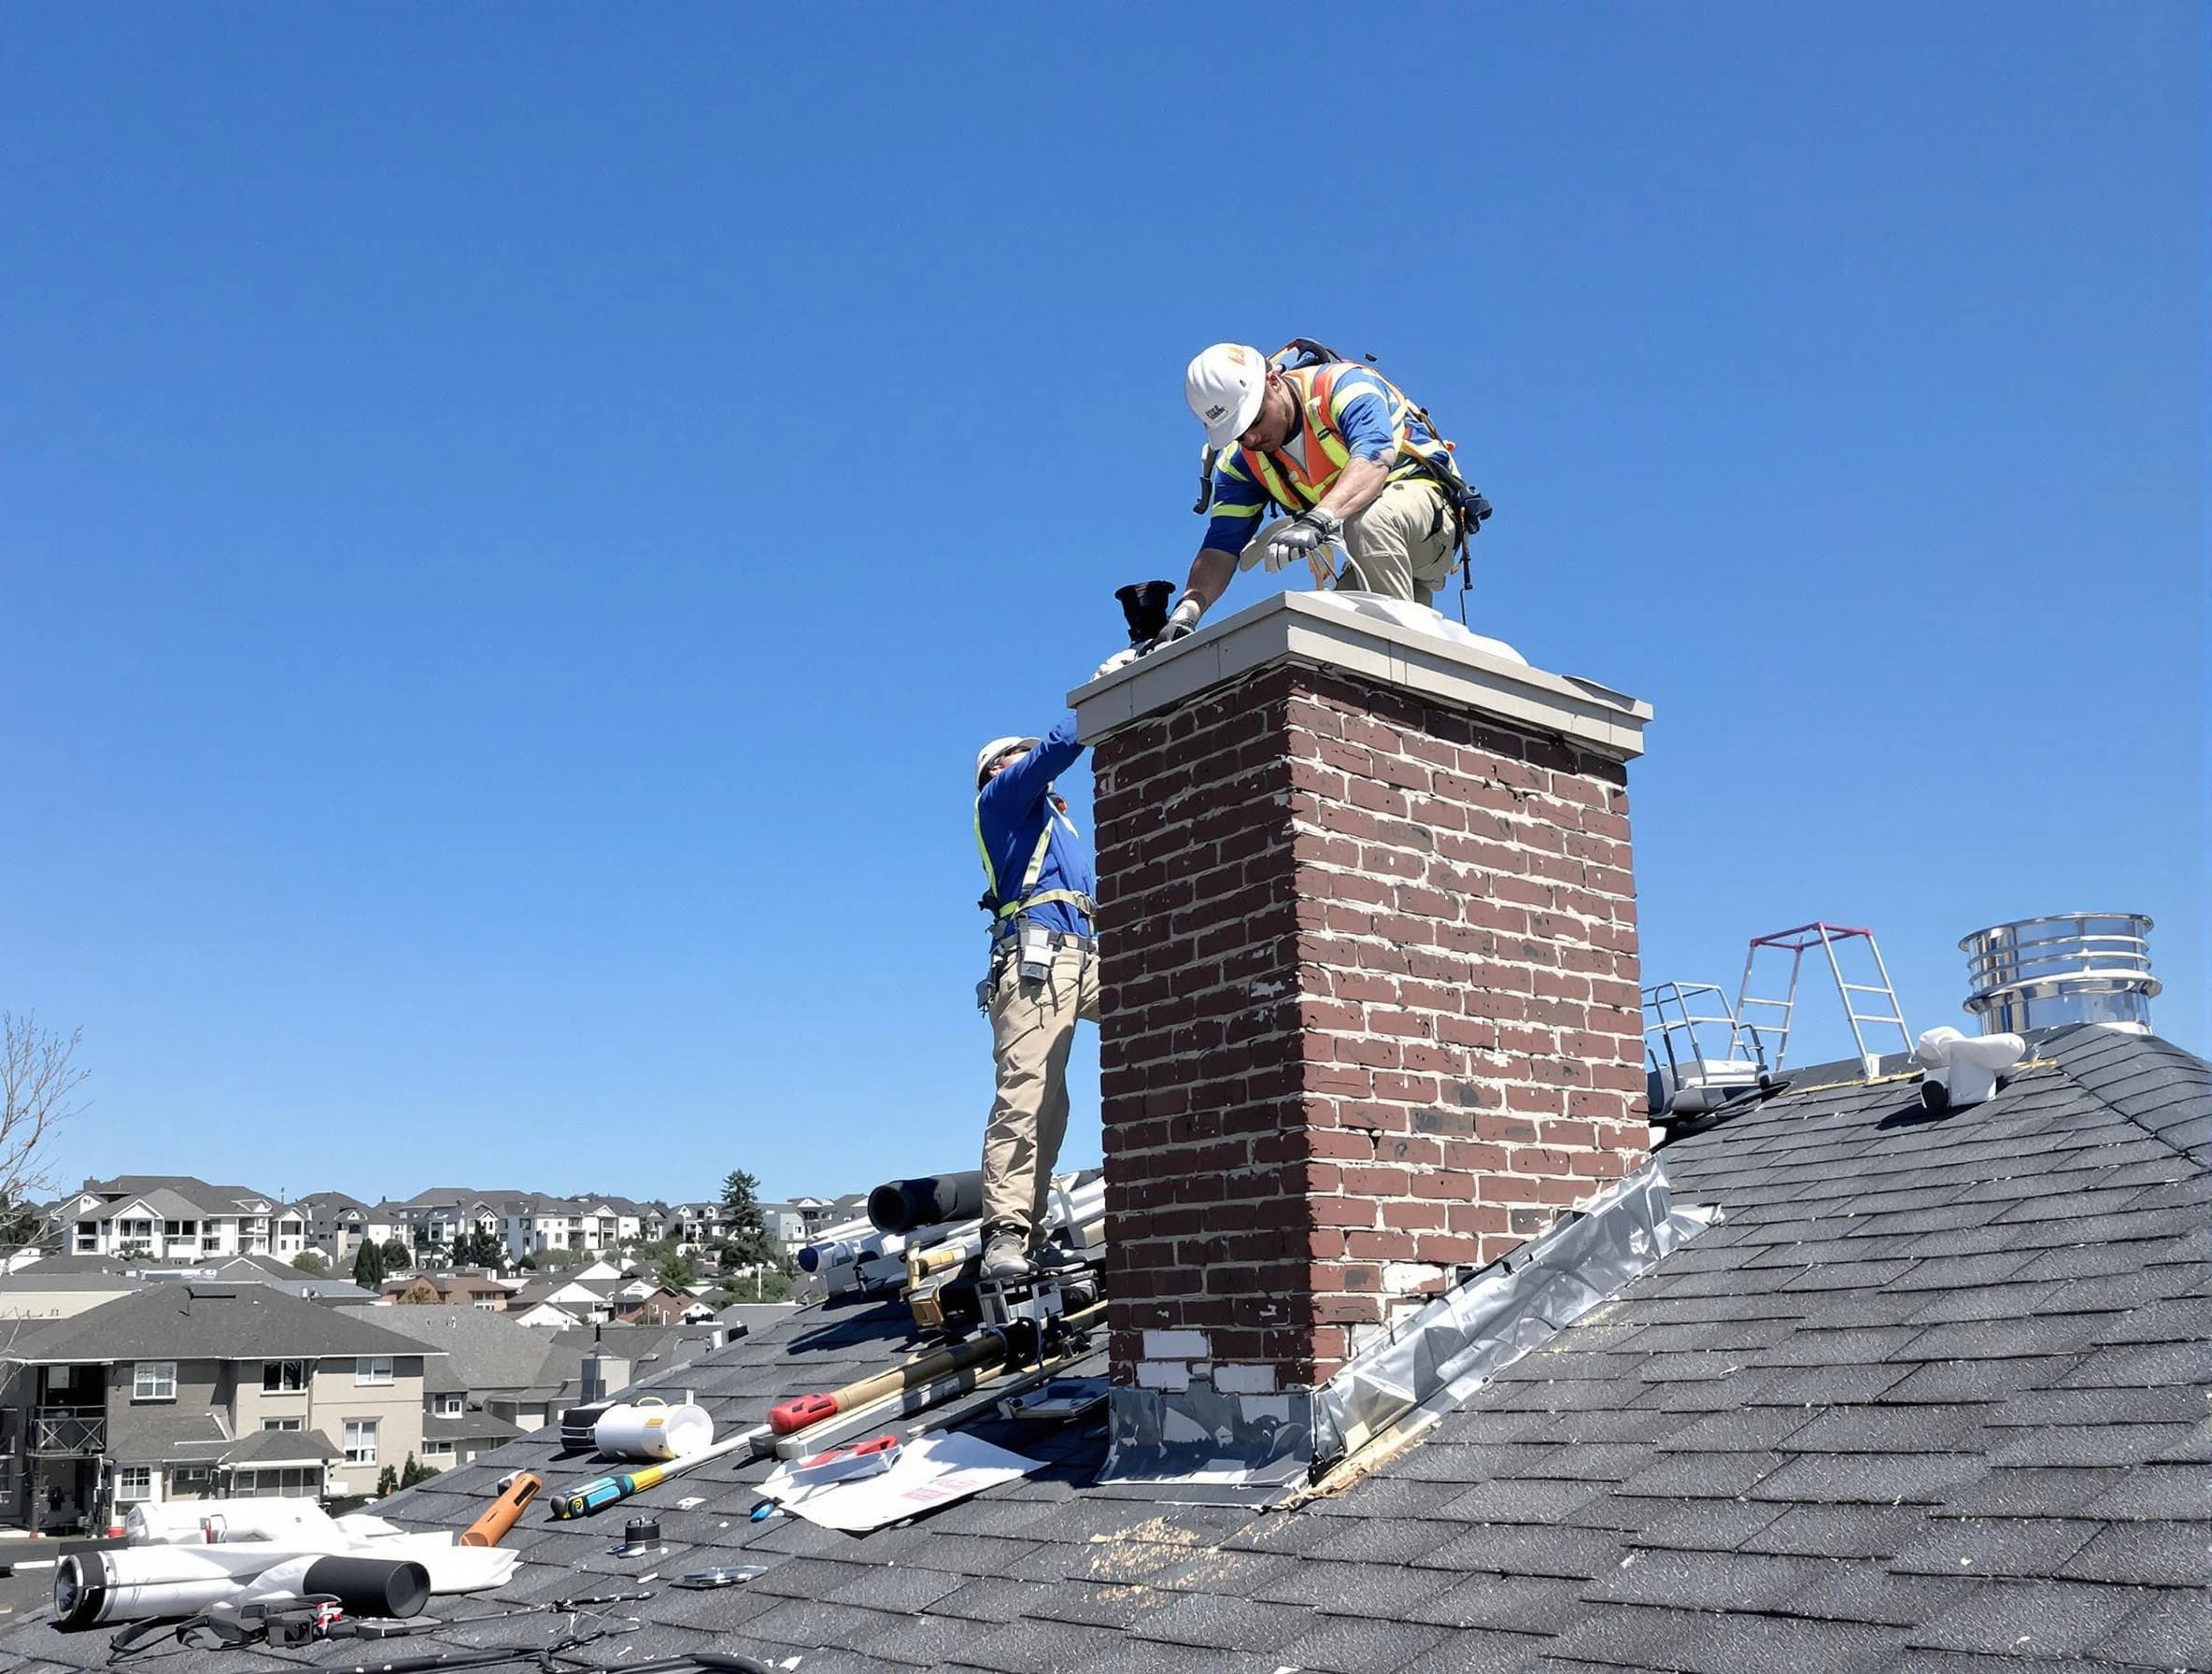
(1369, 984)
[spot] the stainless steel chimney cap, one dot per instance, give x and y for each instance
(2063, 968)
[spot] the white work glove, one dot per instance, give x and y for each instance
(1120, 660)
(1182, 621)
(1308, 536)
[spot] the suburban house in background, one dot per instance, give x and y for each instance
(172, 1217)
(467, 1288)
(197, 1391)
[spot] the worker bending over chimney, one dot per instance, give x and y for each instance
(1339, 449)
(1043, 976)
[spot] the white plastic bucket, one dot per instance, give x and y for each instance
(650, 1430)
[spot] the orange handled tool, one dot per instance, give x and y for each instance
(488, 1529)
(802, 1410)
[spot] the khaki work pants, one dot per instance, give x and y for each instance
(1403, 544)
(1032, 1026)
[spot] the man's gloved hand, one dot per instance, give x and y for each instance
(1307, 536)
(1182, 621)
(1120, 660)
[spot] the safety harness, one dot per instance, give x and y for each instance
(1293, 491)
(1006, 915)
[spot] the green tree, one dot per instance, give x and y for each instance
(555, 1261)
(746, 1243)
(676, 1272)
(397, 1256)
(310, 1262)
(388, 1480)
(368, 1265)
(479, 1247)
(420, 1294)
(414, 1471)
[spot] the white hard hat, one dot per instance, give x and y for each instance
(1223, 387)
(996, 748)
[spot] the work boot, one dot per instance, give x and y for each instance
(1005, 1257)
(1055, 1258)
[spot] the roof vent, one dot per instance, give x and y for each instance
(2068, 967)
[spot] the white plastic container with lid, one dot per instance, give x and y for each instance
(649, 1428)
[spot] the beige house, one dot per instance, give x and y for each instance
(191, 1390)
(58, 1293)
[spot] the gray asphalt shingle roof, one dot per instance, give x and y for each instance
(282, 1447)
(1930, 1395)
(192, 1321)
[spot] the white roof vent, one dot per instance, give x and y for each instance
(2067, 967)
(1964, 1070)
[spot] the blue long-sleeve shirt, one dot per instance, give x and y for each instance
(1011, 810)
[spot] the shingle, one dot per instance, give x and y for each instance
(1707, 1525)
(1714, 1580)
(2030, 1491)
(1979, 1381)
(1889, 1430)
(2154, 1493)
(2023, 1546)
(1477, 1650)
(2177, 1554)
(1519, 1501)
(1831, 1385)
(1851, 1346)
(1868, 1593)
(1357, 1645)
(1511, 1603)
(1528, 1549)
(992, 1598)
(2077, 1406)
(1226, 1623)
(1380, 1589)
(1703, 1476)
(1754, 1429)
(2018, 1618)
(1391, 1496)
(2144, 1366)
(812, 1623)
(1383, 1542)
(2172, 1630)
(1579, 1429)
(1869, 1478)
(2174, 1319)
(1954, 1272)
(2003, 1339)
(2078, 1444)
(1041, 1648)
(900, 1587)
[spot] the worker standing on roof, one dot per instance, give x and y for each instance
(1043, 976)
(1336, 447)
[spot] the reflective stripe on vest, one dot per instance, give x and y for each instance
(1290, 486)
(1003, 916)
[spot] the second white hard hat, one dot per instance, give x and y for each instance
(1223, 387)
(996, 748)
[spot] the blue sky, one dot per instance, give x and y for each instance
(514, 521)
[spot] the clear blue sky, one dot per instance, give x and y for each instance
(514, 521)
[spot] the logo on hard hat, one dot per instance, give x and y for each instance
(1215, 412)
(1236, 355)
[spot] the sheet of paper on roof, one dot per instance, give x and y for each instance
(942, 1467)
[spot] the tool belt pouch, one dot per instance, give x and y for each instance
(1035, 953)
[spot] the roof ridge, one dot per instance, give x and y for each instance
(2174, 1110)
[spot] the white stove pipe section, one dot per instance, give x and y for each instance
(1962, 1070)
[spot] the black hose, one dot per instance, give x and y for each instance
(903, 1205)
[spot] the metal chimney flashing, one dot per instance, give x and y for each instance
(2060, 968)
(1202, 1445)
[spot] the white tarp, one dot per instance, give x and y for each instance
(932, 1471)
